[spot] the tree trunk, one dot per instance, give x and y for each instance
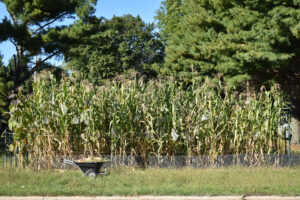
(16, 72)
(290, 81)
(18, 66)
(295, 130)
(295, 123)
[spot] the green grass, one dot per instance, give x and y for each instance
(127, 181)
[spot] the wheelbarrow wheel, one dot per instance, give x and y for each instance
(90, 173)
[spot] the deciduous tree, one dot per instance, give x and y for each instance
(105, 48)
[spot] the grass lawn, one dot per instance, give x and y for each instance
(129, 182)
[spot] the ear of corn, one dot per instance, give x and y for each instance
(138, 118)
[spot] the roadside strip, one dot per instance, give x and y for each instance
(153, 198)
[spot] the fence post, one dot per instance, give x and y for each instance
(15, 158)
(2, 156)
(5, 147)
(10, 153)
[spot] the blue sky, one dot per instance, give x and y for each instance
(144, 8)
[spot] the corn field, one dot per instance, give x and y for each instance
(134, 117)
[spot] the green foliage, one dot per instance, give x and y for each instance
(39, 11)
(28, 27)
(3, 92)
(168, 17)
(105, 48)
(137, 118)
(239, 39)
(5, 86)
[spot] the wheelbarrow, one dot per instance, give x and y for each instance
(90, 169)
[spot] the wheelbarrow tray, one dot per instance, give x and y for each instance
(89, 166)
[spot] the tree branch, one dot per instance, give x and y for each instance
(31, 72)
(12, 17)
(42, 61)
(47, 24)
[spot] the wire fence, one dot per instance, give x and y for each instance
(8, 159)
(203, 161)
(179, 161)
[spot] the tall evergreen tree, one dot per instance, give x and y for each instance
(5, 86)
(256, 40)
(2, 87)
(168, 17)
(28, 27)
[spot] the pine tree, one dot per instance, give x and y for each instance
(168, 17)
(5, 86)
(28, 29)
(257, 40)
(240, 39)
